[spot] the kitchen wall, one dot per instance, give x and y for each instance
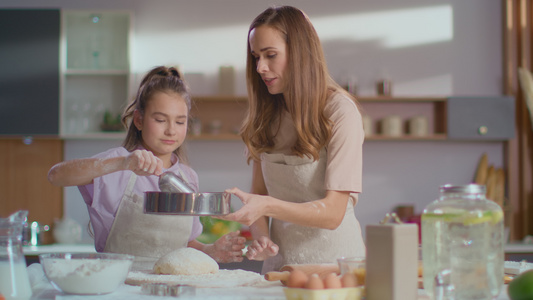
(424, 47)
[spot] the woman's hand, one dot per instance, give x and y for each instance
(143, 163)
(254, 207)
(227, 249)
(261, 249)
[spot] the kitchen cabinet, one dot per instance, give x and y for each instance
(95, 70)
(24, 165)
(29, 72)
(481, 118)
(447, 118)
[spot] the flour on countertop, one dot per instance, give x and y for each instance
(223, 278)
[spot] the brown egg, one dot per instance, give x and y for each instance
(332, 281)
(314, 283)
(349, 280)
(360, 274)
(297, 279)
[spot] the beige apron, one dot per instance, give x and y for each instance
(146, 236)
(296, 179)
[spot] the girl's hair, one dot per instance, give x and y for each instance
(307, 90)
(159, 80)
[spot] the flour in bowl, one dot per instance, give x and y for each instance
(86, 276)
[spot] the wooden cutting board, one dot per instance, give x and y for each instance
(490, 184)
(224, 278)
(482, 168)
(499, 189)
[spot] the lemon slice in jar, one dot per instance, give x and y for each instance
(448, 216)
(466, 218)
(492, 217)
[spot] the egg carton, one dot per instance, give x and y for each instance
(355, 293)
(517, 267)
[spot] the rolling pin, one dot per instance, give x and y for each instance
(275, 276)
(309, 269)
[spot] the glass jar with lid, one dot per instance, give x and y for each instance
(462, 244)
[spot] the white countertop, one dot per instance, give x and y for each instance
(265, 290)
(128, 292)
(43, 290)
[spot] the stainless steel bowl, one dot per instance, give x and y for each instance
(190, 204)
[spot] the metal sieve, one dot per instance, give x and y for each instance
(189, 204)
(172, 183)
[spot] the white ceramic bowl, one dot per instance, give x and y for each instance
(86, 273)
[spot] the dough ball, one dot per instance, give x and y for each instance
(185, 261)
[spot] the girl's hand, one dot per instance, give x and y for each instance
(254, 207)
(262, 249)
(227, 248)
(143, 163)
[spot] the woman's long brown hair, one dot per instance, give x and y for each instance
(308, 89)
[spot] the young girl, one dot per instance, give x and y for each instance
(113, 183)
(304, 135)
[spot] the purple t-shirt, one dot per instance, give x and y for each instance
(103, 196)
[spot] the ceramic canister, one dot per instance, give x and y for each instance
(418, 126)
(392, 126)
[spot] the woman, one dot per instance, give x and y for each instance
(304, 134)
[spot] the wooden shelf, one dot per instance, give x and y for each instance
(401, 99)
(434, 137)
(433, 109)
(415, 99)
(221, 98)
(226, 110)
(214, 137)
(96, 136)
(83, 72)
(230, 111)
(236, 137)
